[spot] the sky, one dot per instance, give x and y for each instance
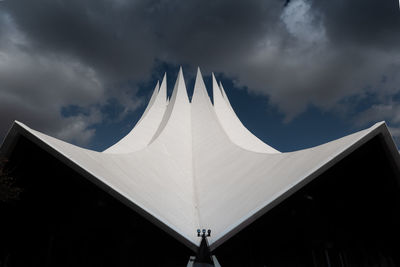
(298, 73)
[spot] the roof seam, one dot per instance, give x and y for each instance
(194, 180)
(196, 210)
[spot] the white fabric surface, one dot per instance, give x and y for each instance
(194, 165)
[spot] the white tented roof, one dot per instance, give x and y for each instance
(189, 165)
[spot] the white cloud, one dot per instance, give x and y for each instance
(302, 23)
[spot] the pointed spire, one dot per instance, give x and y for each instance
(155, 93)
(200, 91)
(179, 92)
(224, 95)
(163, 89)
(178, 103)
(140, 136)
(217, 94)
(152, 100)
(214, 81)
(233, 127)
(222, 89)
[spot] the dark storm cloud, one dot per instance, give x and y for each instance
(122, 38)
(79, 52)
(339, 49)
(215, 32)
(298, 53)
(360, 22)
(367, 33)
(102, 34)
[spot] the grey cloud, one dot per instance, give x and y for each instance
(102, 35)
(395, 131)
(34, 86)
(379, 112)
(78, 129)
(33, 89)
(335, 52)
(123, 38)
(364, 23)
(297, 52)
(77, 53)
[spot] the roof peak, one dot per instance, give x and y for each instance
(200, 90)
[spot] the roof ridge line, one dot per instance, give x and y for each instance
(194, 184)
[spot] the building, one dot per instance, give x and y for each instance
(190, 165)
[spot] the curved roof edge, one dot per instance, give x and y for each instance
(379, 128)
(140, 136)
(19, 129)
(232, 125)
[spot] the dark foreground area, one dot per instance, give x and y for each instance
(349, 216)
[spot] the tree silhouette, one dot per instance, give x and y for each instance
(8, 189)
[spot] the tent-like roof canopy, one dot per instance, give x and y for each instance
(189, 165)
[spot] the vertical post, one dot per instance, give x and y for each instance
(203, 253)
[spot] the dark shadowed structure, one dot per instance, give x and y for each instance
(337, 204)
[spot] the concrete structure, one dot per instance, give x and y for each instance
(189, 165)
